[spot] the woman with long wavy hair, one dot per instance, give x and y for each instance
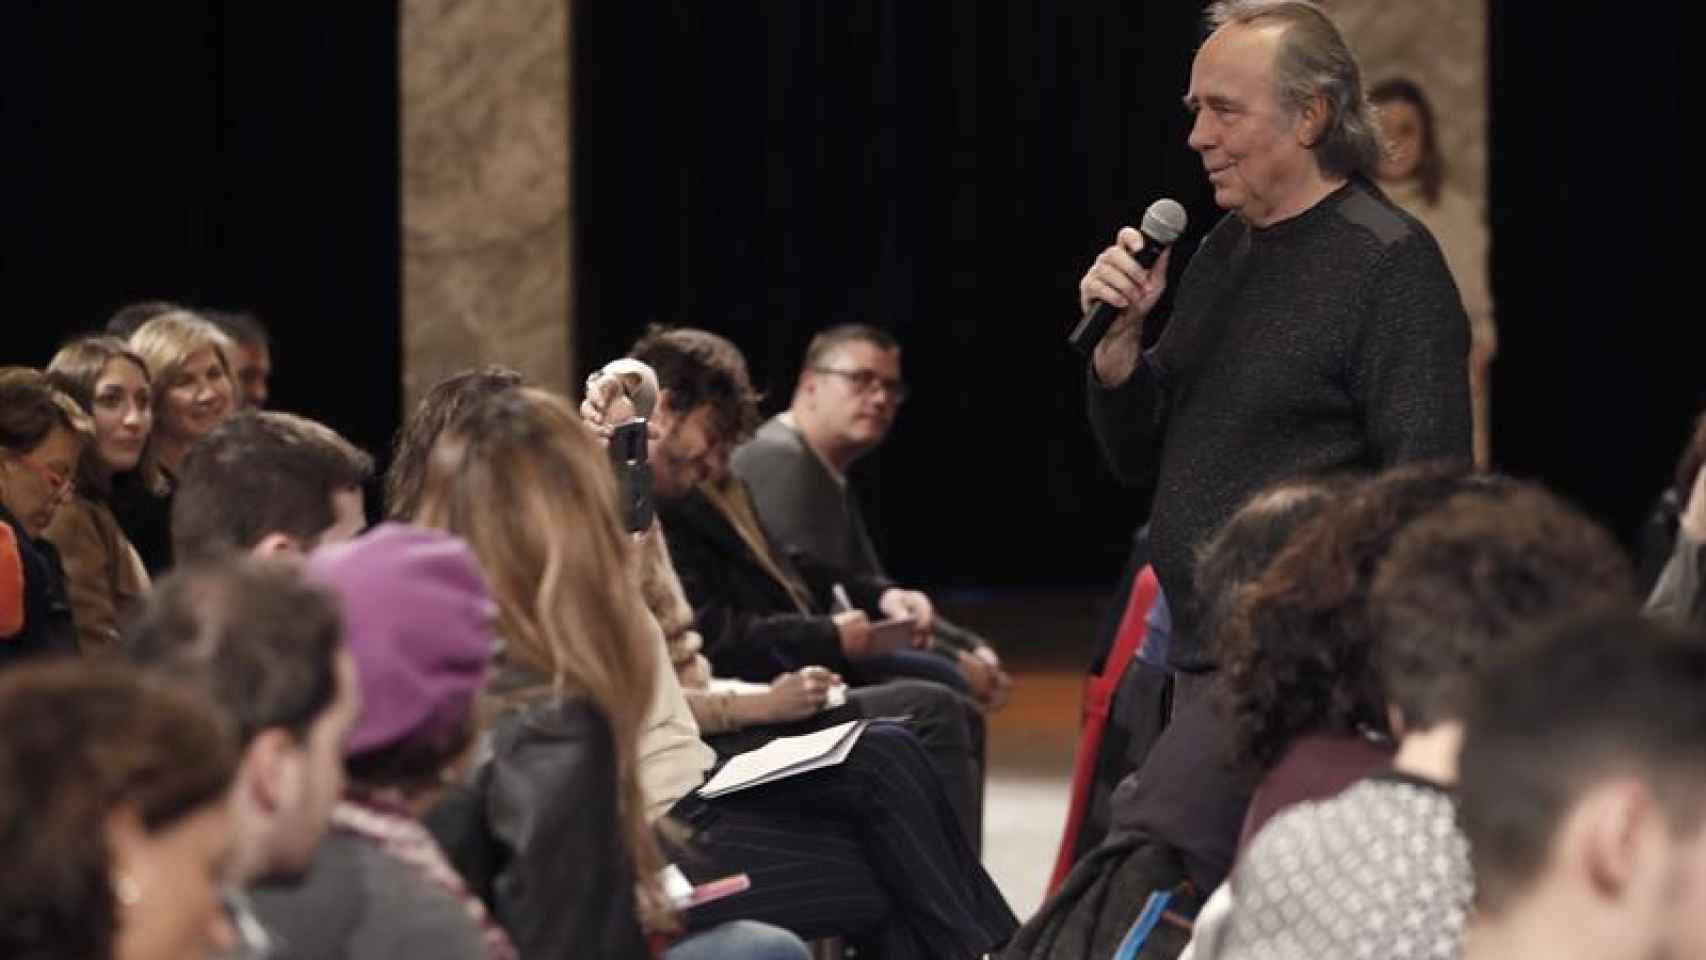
(869, 849)
(105, 574)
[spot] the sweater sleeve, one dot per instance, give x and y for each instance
(1127, 421)
(1409, 368)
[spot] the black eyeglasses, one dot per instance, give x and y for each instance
(867, 381)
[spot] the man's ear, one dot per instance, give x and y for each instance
(267, 769)
(1619, 824)
(276, 545)
(1312, 121)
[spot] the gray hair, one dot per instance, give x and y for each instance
(1312, 59)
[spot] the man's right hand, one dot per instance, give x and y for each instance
(1117, 278)
(855, 630)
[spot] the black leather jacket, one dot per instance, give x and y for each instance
(535, 831)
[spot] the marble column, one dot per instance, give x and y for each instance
(1441, 45)
(485, 180)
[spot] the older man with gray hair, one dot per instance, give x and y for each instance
(1316, 328)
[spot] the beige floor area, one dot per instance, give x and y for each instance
(1030, 768)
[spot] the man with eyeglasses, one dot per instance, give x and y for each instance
(849, 391)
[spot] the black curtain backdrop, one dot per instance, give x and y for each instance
(948, 169)
(228, 155)
(1594, 199)
(944, 170)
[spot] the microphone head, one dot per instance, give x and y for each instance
(1164, 221)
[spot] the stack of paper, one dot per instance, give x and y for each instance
(786, 757)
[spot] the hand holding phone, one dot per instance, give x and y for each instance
(633, 475)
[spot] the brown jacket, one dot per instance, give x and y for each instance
(103, 573)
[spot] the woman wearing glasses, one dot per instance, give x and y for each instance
(104, 572)
(42, 434)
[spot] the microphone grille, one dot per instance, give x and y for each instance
(1165, 220)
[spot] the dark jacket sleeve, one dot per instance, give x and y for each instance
(566, 885)
(1127, 421)
(745, 640)
(1409, 372)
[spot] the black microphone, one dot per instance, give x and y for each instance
(1163, 225)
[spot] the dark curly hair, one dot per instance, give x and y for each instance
(699, 367)
(1473, 575)
(83, 741)
(1296, 653)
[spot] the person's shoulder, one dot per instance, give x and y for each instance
(1363, 207)
(408, 915)
(774, 445)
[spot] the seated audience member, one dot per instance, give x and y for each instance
(1380, 869)
(42, 436)
(737, 715)
(251, 355)
(418, 624)
(1583, 795)
(1174, 821)
(757, 614)
(116, 826)
(265, 647)
(185, 356)
(1677, 593)
(127, 319)
(105, 575)
(847, 397)
(268, 483)
(868, 849)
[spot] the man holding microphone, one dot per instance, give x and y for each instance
(1316, 328)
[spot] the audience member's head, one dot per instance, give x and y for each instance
(114, 817)
(130, 317)
(42, 436)
(186, 357)
(251, 354)
(1295, 654)
(418, 623)
(111, 383)
(557, 561)
(1471, 576)
(706, 405)
(1411, 145)
(443, 404)
(849, 391)
(1583, 794)
(268, 483)
(264, 645)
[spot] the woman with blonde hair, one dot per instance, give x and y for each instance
(869, 849)
(103, 571)
(193, 394)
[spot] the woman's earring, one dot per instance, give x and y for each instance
(126, 889)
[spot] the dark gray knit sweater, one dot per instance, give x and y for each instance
(1332, 340)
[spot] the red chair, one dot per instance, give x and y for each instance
(1098, 697)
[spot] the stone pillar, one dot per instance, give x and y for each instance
(485, 180)
(1442, 45)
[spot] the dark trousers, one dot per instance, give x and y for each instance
(947, 724)
(869, 850)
